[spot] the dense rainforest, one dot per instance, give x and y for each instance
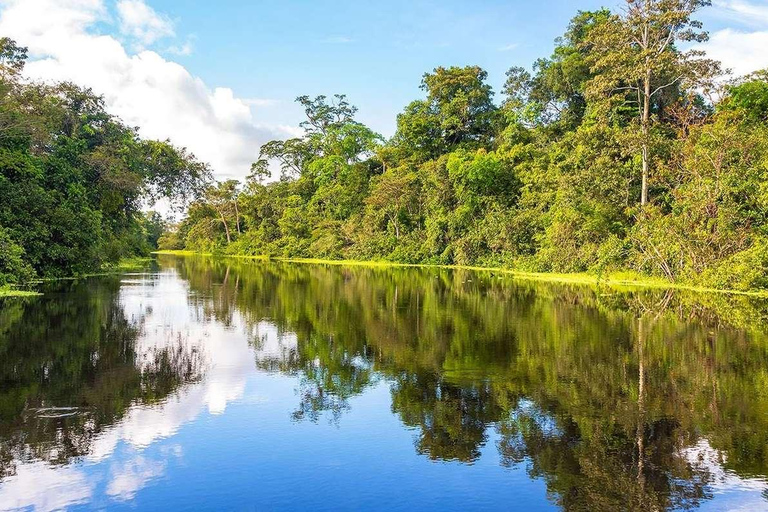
(625, 150)
(74, 179)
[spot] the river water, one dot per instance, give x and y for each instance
(223, 384)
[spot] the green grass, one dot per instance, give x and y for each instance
(183, 253)
(124, 265)
(629, 280)
(6, 292)
(129, 264)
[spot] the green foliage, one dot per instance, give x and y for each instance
(458, 113)
(605, 157)
(73, 178)
(13, 267)
(749, 99)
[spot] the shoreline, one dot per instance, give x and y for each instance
(7, 293)
(126, 265)
(616, 279)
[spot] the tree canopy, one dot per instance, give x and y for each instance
(621, 151)
(74, 179)
(624, 150)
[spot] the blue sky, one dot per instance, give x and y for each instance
(373, 51)
(220, 77)
(376, 52)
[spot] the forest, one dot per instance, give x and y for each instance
(626, 151)
(74, 179)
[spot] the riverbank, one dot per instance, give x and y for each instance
(615, 279)
(8, 292)
(125, 265)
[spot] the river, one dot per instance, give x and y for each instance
(221, 384)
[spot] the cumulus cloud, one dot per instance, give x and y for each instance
(131, 476)
(742, 52)
(145, 89)
(183, 49)
(141, 22)
(740, 45)
(39, 486)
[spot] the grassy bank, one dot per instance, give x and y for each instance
(6, 292)
(125, 265)
(616, 279)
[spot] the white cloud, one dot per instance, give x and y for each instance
(133, 475)
(743, 12)
(742, 36)
(159, 96)
(182, 49)
(743, 52)
(141, 22)
(509, 47)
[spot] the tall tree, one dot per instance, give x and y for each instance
(554, 94)
(223, 199)
(458, 112)
(635, 58)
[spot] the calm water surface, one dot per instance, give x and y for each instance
(227, 384)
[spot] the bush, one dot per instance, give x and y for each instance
(13, 268)
(744, 271)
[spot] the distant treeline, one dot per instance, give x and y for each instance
(73, 179)
(622, 151)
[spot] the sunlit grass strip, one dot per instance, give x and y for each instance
(183, 253)
(615, 280)
(6, 292)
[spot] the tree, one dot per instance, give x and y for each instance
(74, 178)
(154, 226)
(291, 155)
(323, 116)
(223, 199)
(394, 196)
(554, 94)
(12, 58)
(550, 181)
(634, 59)
(749, 98)
(458, 112)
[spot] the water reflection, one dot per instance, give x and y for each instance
(70, 367)
(89, 371)
(615, 400)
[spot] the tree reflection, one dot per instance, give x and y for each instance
(69, 368)
(600, 392)
(452, 419)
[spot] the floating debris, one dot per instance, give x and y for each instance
(57, 412)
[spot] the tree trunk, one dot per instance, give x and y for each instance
(645, 120)
(226, 227)
(645, 123)
(237, 218)
(393, 220)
